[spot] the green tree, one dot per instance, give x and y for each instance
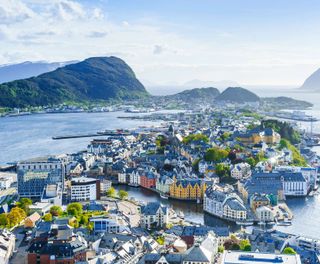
(4, 221)
(245, 245)
(220, 249)
(289, 251)
(251, 161)
(111, 192)
(297, 159)
(195, 137)
(222, 170)
(24, 204)
(74, 209)
(56, 210)
(123, 194)
(215, 154)
(47, 217)
(84, 220)
(16, 215)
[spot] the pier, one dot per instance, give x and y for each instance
(97, 134)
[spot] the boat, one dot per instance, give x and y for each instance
(164, 196)
(244, 223)
(181, 215)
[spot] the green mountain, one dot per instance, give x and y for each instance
(196, 94)
(237, 95)
(283, 102)
(98, 78)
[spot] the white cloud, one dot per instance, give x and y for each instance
(13, 11)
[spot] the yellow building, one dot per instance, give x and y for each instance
(254, 136)
(187, 189)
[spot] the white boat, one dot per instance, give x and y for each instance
(244, 223)
(164, 196)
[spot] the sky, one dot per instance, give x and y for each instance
(252, 42)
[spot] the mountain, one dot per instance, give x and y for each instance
(98, 78)
(237, 95)
(312, 83)
(283, 102)
(197, 94)
(219, 84)
(28, 69)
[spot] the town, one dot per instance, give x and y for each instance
(237, 164)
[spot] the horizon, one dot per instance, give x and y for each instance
(251, 43)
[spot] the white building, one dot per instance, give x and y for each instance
(105, 185)
(240, 171)
(111, 224)
(7, 246)
(134, 179)
(264, 214)
(224, 203)
(153, 215)
(294, 184)
(231, 257)
(85, 189)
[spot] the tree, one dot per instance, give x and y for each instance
(74, 209)
(220, 249)
(16, 215)
(123, 194)
(111, 192)
(245, 245)
(47, 217)
(84, 220)
(56, 210)
(222, 170)
(251, 161)
(215, 154)
(195, 137)
(24, 204)
(4, 220)
(232, 244)
(289, 251)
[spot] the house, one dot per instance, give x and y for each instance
(31, 220)
(240, 171)
(163, 184)
(40, 208)
(154, 215)
(259, 199)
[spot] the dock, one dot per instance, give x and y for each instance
(97, 134)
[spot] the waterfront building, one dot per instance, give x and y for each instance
(135, 177)
(259, 199)
(265, 183)
(264, 214)
(154, 215)
(148, 180)
(224, 203)
(163, 184)
(85, 189)
(188, 189)
(231, 257)
(105, 185)
(35, 174)
(294, 184)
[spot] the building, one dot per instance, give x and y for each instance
(264, 214)
(163, 184)
(255, 136)
(31, 220)
(85, 189)
(40, 207)
(148, 180)
(110, 224)
(294, 184)
(224, 203)
(35, 174)
(105, 185)
(231, 257)
(52, 194)
(259, 199)
(57, 244)
(153, 215)
(240, 171)
(7, 245)
(188, 189)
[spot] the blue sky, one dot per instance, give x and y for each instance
(254, 42)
